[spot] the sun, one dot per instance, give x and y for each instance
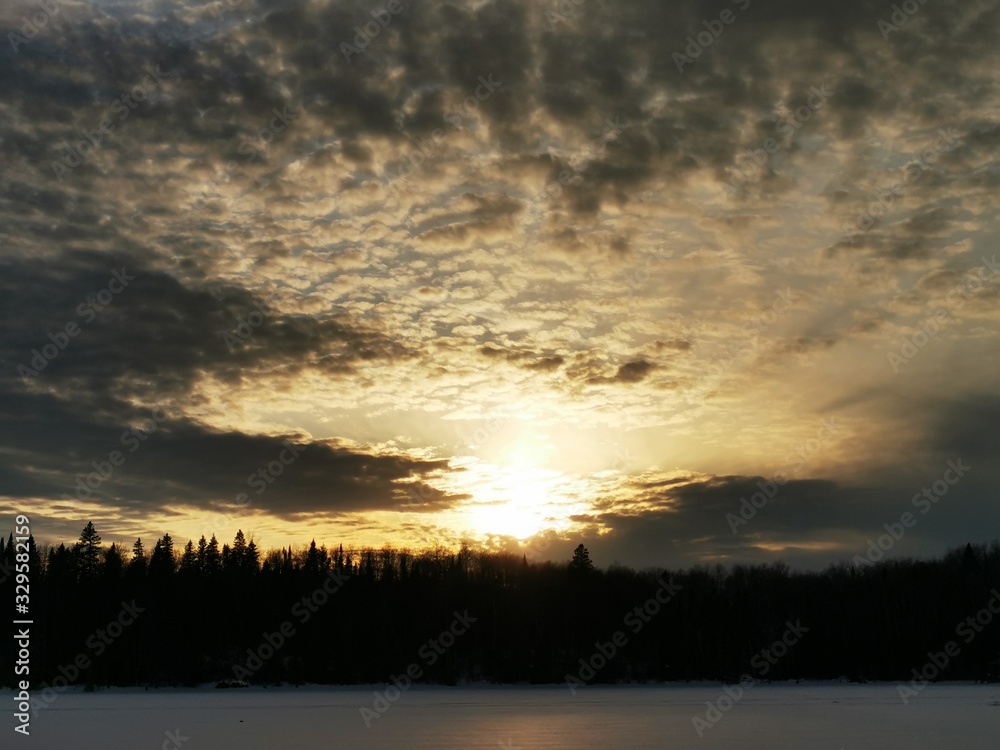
(516, 497)
(516, 504)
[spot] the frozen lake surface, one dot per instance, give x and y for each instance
(822, 716)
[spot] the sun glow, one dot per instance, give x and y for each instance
(517, 504)
(518, 497)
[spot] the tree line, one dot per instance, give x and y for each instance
(209, 613)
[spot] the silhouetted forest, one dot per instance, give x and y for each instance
(201, 613)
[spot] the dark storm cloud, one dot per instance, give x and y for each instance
(152, 327)
(969, 426)
(99, 329)
(56, 449)
(816, 521)
(803, 522)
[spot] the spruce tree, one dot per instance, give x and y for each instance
(189, 560)
(252, 559)
(87, 553)
(137, 565)
(238, 553)
(202, 555)
(311, 564)
(161, 563)
(213, 559)
(581, 559)
(113, 563)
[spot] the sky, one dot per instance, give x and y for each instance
(690, 283)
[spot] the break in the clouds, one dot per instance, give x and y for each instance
(503, 272)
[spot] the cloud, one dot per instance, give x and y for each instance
(633, 372)
(58, 449)
(157, 326)
(488, 216)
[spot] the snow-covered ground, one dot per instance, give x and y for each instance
(820, 716)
